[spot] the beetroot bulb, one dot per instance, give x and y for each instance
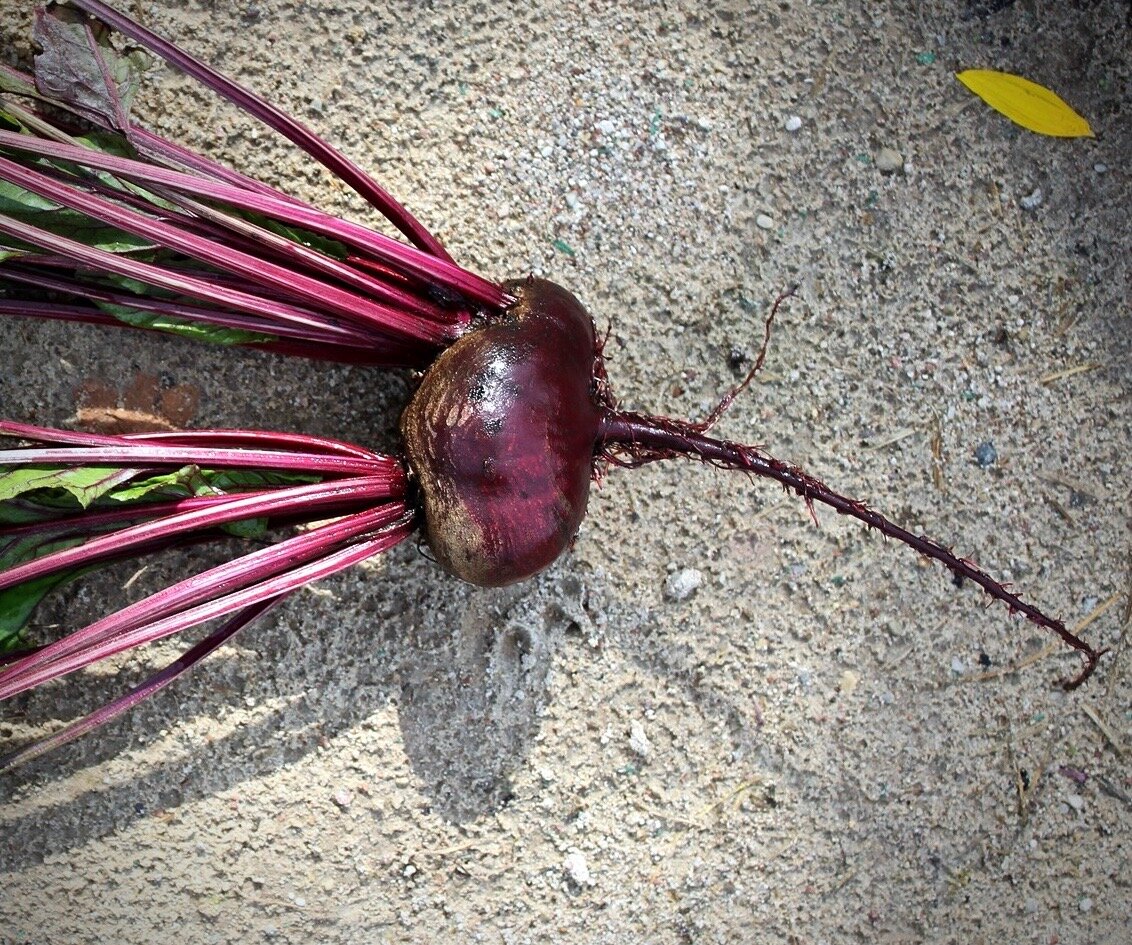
(513, 418)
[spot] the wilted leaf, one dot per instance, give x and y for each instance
(1026, 103)
(79, 68)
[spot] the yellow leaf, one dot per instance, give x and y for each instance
(1028, 104)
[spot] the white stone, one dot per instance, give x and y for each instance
(638, 740)
(889, 160)
(682, 584)
(576, 869)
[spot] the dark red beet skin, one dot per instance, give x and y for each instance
(501, 437)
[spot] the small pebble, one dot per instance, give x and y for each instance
(763, 222)
(638, 740)
(985, 455)
(889, 161)
(682, 584)
(1034, 200)
(576, 869)
(793, 123)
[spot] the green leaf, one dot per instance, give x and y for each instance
(322, 244)
(9, 123)
(27, 207)
(108, 143)
(14, 81)
(248, 528)
(15, 201)
(185, 327)
(18, 550)
(17, 604)
(84, 484)
(23, 511)
(175, 485)
(136, 286)
(236, 480)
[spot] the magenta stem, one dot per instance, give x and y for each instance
(132, 453)
(327, 155)
(321, 497)
(255, 567)
(140, 693)
(326, 296)
(407, 258)
(162, 278)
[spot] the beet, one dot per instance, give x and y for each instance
(512, 420)
(501, 437)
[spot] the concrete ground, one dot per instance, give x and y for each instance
(712, 721)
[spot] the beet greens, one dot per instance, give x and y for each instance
(104, 222)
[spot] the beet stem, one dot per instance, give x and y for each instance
(221, 439)
(630, 439)
(320, 150)
(276, 206)
(327, 498)
(268, 275)
(79, 649)
(144, 690)
(162, 278)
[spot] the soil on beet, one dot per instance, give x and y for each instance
(712, 722)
